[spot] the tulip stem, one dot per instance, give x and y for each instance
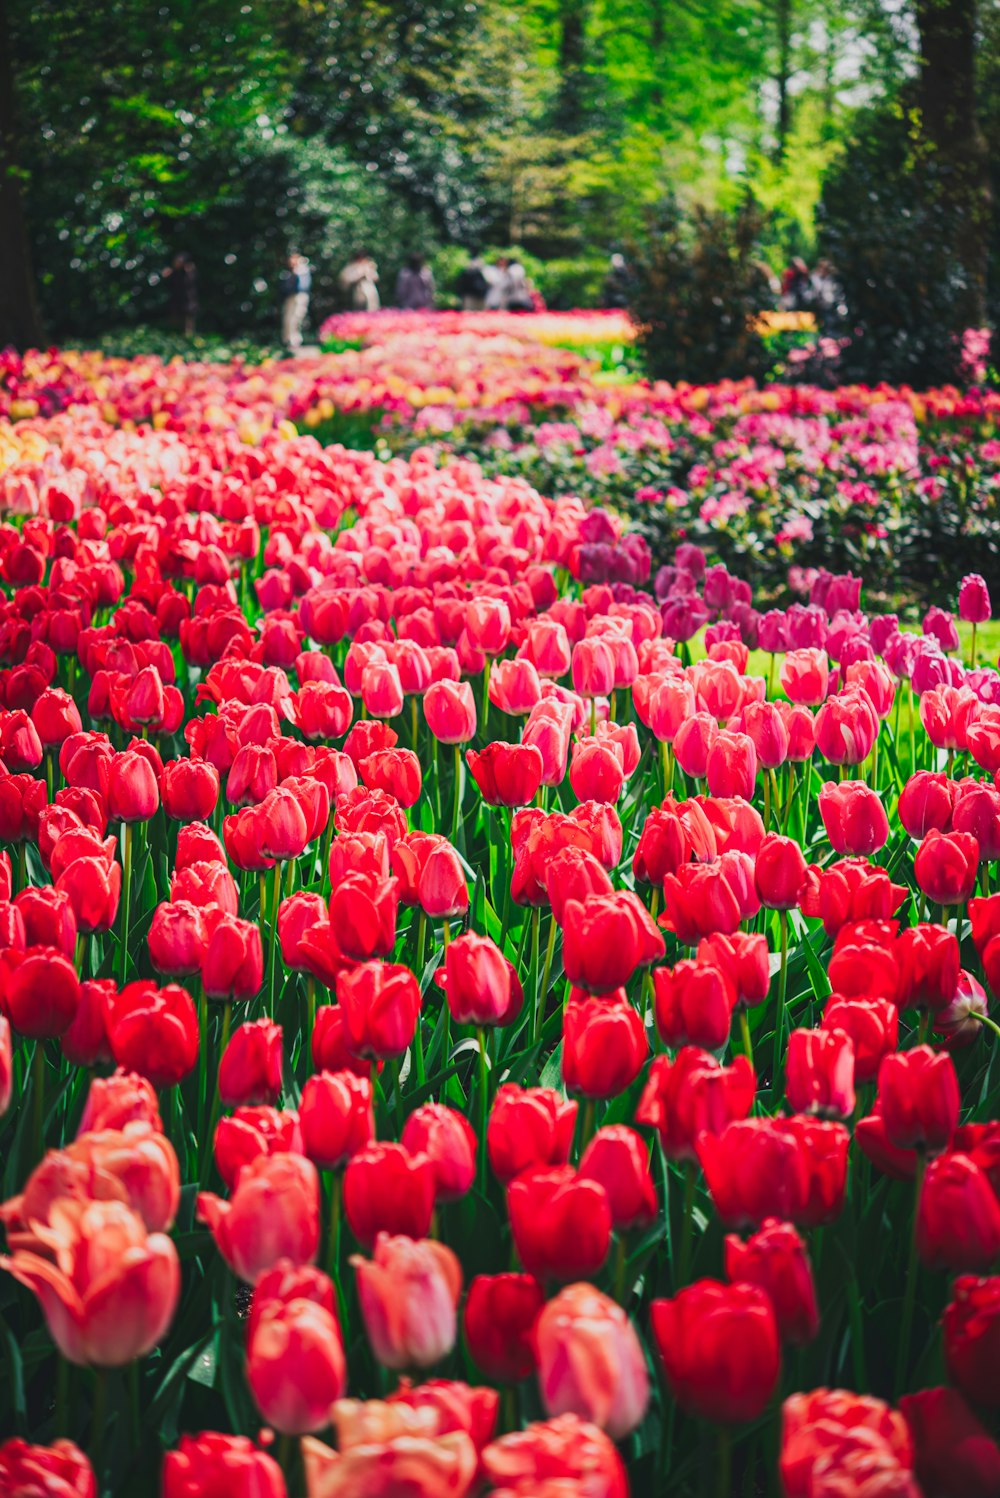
(544, 988)
(135, 1420)
(486, 694)
(725, 1461)
(413, 722)
(536, 1033)
(620, 1264)
(98, 1422)
(421, 961)
(311, 1016)
(457, 804)
(62, 1393)
(484, 1106)
(910, 1290)
(745, 1033)
(273, 914)
(767, 803)
(206, 1143)
(779, 1019)
(972, 653)
(984, 1019)
(38, 1088)
(126, 900)
(687, 1227)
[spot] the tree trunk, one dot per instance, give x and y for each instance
(783, 22)
(19, 322)
(572, 64)
(951, 130)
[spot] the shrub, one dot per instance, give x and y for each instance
(887, 225)
(699, 285)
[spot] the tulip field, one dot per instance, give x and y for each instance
(489, 1006)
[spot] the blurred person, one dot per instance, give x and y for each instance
(359, 282)
(520, 292)
(295, 286)
(617, 283)
(181, 277)
(415, 285)
(473, 282)
(498, 295)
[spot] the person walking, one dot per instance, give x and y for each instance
(359, 282)
(473, 283)
(181, 277)
(296, 284)
(415, 285)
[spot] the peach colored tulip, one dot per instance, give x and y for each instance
(409, 1293)
(273, 1214)
(107, 1288)
(590, 1362)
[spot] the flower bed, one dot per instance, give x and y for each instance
(452, 1039)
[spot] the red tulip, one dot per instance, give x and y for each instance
(926, 803)
(114, 1101)
(619, 1161)
(866, 960)
(953, 1451)
(506, 774)
(596, 772)
(190, 789)
(395, 771)
(693, 743)
(388, 1190)
(820, 1072)
(971, 1326)
(218, 1464)
(514, 687)
(919, 1099)
(854, 817)
(57, 1471)
(847, 726)
(529, 1127)
(232, 967)
(296, 1367)
(946, 865)
(848, 891)
(605, 938)
(731, 767)
(500, 1315)
(946, 713)
(94, 887)
(958, 1216)
(450, 710)
(153, 1031)
(692, 1096)
(132, 793)
(273, 1214)
(251, 1065)
(848, 1438)
(380, 1008)
(363, 915)
(805, 676)
(719, 1346)
(694, 1003)
(39, 991)
(873, 1026)
(780, 872)
(930, 963)
(604, 1045)
(177, 938)
(776, 1261)
(480, 984)
(561, 1223)
(447, 1137)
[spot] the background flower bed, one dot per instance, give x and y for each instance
(557, 772)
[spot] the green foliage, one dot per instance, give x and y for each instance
(902, 282)
(699, 286)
